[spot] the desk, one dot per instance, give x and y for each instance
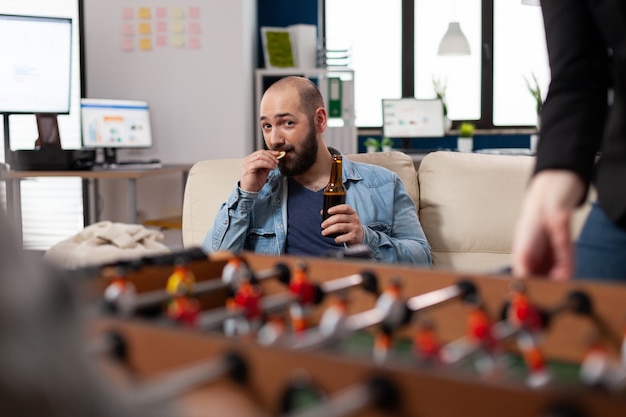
(90, 180)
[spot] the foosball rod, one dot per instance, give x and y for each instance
(377, 392)
(154, 298)
(372, 317)
(178, 382)
(366, 279)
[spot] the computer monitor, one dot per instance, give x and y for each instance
(112, 124)
(35, 71)
(413, 118)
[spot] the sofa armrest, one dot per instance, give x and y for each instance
(208, 185)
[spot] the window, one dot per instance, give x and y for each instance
(52, 208)
(495, 97)
(460, 74)
(373, 30)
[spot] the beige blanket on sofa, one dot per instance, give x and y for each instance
(106, 242)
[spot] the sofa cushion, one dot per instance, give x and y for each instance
(398, 162)
(469, 205)
(209, 184)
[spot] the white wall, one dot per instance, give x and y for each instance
(201, 99)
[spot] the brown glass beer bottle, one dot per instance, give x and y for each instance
(335, 192)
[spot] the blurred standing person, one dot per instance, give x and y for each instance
(584, 113)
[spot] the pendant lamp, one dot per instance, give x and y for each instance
(454, 41)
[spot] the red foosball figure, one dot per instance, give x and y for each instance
(526, 317)
(180, 283)
(248, 297)
(426, 344)
(304, 290)
(480, 334)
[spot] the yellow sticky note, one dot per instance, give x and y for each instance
(178, 27)
(177, 41)
(144, 13)
(145, 44)
(177, 13)
(144, 28)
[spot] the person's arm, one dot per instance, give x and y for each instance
(406, 242)
(542, 243)
(398, 238)
(231, 223)
(572, 127)
(575, 110)
(230, 227)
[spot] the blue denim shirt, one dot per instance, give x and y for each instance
(257, 221)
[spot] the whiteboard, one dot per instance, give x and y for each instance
(191, 60)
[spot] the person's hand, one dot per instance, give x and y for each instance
(345, 223)
(255, 169)
(542, 242)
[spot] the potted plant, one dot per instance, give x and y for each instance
(371, 144)
(535, 91)
(386, 144)
(465, 141)
(440, 92)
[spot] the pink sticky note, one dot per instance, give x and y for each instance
(161, 40)
(194, 27)
(161, 12)
(127, 44)
(194, 12)
(194, 42)
(127, 29)
(161, 26)
(128, 13)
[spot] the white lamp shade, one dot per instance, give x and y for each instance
(454, 41)
(531, 2)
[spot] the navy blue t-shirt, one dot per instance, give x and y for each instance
(304, 219)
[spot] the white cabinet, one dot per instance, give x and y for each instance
(337, 88)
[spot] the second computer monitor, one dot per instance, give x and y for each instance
(412, 118)
(115, 124)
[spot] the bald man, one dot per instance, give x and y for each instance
(276, 206)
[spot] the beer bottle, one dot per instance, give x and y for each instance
(335, 192)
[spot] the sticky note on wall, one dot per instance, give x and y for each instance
(144, 13)
(144, 28)
(145, 44)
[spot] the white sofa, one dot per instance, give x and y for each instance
(468, 203)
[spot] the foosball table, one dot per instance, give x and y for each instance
(255, 335)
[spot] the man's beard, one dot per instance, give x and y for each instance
(299, 161)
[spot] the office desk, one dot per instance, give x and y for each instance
(90, 189)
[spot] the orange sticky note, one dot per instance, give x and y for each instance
(145, 44)
(144, 13)
(144, 28)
